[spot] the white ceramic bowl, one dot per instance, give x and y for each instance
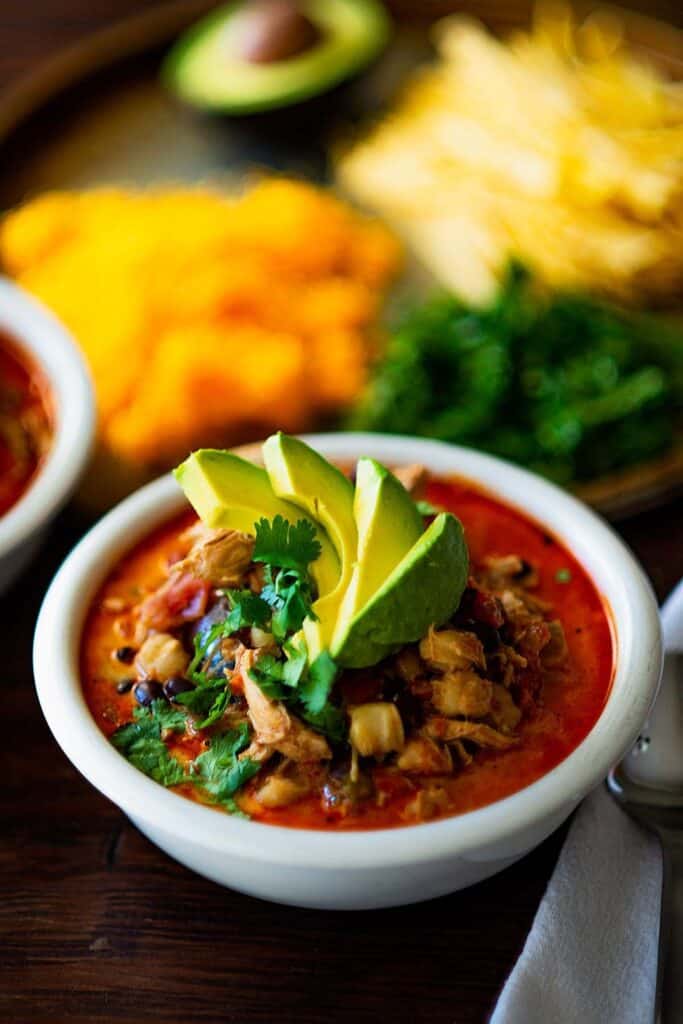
(362, 869)
(39, 334)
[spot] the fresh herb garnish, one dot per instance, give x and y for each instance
(289, 594)
(140, 742)
(331, 721)
(286, 551)
(563, 575)
(566, 384)
(246, 609)
(315, 688)
(286, 546)
(207, 701)
(277, 678)
(304, 688)
(219, 770)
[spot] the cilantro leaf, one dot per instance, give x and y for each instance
(277, 679)
(315, 689)
(295, 666)
(290, 596)
(218, 768)
(207, 701)
(280, 544)
(330, 720)
(140, 743)
(267, 673)
(216, 710)
(246, 609)
(168, 717)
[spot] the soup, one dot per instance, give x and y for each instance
(477, 709)
(25, 422)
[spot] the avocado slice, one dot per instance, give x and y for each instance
(300, 475)
(388, 525)
(228, 491)
(423, 590)
(209, 66)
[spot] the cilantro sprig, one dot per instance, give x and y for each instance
(220, 770)
(286, 551)
(287, 546)
(217, 772)
(140, 742)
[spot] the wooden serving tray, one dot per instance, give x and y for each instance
(124, 127)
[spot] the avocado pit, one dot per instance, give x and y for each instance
(274, 30)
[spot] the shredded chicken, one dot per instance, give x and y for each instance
(220, 558)
(279, 791)
(423, 756)
(452, 649)
(275, 726)
(447, 729)
(430, 801)
(462, 693)
(504, 712)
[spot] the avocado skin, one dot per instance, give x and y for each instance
(424, 590)
(338, 62)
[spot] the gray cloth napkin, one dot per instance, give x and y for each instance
(591, 954)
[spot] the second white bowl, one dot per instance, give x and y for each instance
(43, 338)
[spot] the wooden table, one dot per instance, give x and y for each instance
(97, 925)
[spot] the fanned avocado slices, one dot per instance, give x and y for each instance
(423, 590)
(382, 578)
(256, 55)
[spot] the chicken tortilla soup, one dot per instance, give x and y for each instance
(344, 651)
(25, 422)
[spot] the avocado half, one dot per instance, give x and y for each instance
(205, 67)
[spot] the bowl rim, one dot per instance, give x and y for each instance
(36, 332)
(621, 581)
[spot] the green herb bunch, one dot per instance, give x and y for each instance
(564, 384)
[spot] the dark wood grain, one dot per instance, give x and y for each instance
(97, 925)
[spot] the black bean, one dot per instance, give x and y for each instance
(175, 686)
(124, 686)
(125, 654)
(147, 691)
(489, 635)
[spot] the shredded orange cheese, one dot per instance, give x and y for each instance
(207, 318)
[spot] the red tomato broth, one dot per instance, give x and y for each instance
(572, 700)
(25, 421)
